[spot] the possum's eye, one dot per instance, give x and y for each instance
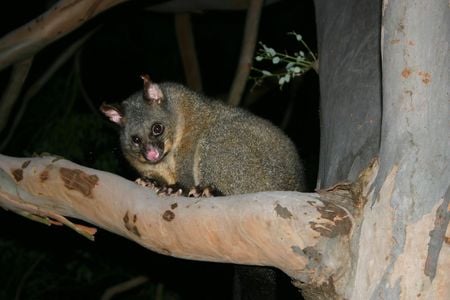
(157, 129)
(136, 140)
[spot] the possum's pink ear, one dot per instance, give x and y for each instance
(152, 92)
(113, 112)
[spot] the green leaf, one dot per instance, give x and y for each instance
(271, 51)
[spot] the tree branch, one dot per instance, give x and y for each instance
(62, 18)
(39, 83)
(12, 92)
(186, 45)
(123, 287)
(248, 48)
(299, 233)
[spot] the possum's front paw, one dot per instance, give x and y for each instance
(148, 183)
(170, 190)
(161, 189)
(207, 191)
(178, 190)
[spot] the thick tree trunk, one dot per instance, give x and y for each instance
(348, 34)
(408, 212)
(401, 250)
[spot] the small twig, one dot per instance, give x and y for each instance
(79, 77)
(159, 294)
(12, 92)
(27, 275)
(186, 46)
(70, 95)
(288, 113)
(248, 48)
(315, 66)
(293, 90)
(36, 86)
(123, 287)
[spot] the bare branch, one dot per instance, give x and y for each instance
(62, 18)
(248, 48)
(123, 287)
(12, 92)
(186, 45)
(36, 86)
(288, 230)
(27, 275)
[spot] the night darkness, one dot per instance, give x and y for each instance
(40, 262)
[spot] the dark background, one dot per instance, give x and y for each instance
(38, 262)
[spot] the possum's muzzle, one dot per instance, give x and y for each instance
(153, 153)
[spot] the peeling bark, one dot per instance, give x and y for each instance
(437, 236)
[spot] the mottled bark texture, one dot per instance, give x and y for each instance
(295, 232)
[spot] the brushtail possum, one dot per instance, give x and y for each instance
(176, 136)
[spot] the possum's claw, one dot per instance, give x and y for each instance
(170, 190)
(148, 183)
(177, 190)
(207, 191)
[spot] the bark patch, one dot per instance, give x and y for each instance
(25, 164)
(18, 174)
(314, 257)
(437, 236)
(320, 286)
(406, 72)
(44, 175)
(75, 179)
(130, 225)
(425, 77)
(297, 250)
(168, 215)
(283, 212)
(361, 188)
(166, 251)
(174, 205)
(340, 222)
(326, 290)
(56, 159)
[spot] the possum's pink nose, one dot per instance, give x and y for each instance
(152, 154)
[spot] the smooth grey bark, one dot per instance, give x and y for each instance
(348, 33)
(416, 93)
(402, 248)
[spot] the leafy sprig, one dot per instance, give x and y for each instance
(291, 65)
